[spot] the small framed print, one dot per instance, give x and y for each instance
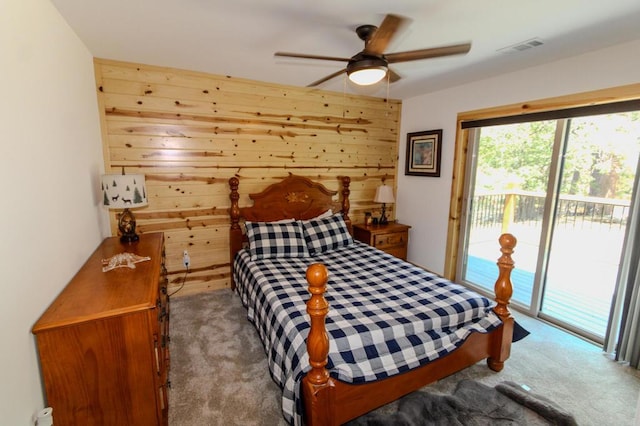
(423, 153)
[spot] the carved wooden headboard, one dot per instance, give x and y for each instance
(294, 197)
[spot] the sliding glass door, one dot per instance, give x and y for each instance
(562, 187)
(598, 168)
(507, 194)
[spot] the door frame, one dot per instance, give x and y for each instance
(460, 160)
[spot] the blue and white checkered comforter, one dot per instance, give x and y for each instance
(385, 316)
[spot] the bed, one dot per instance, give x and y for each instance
(373, 328)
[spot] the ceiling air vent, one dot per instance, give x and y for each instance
(524, 45)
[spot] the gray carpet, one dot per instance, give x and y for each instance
(219, 371)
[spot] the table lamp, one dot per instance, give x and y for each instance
(124, 192)
(384, 195)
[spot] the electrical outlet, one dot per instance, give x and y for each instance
(186, 260)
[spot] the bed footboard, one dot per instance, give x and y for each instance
(332, 402)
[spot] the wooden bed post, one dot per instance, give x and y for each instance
(317, 386)
(501, 344)
(235, 232)
(346, 181)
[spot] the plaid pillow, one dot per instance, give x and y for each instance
(326, 234)
(269, 240)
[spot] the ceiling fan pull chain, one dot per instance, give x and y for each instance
(344, 97)
(387, 100)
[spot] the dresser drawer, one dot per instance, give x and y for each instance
(386, 241)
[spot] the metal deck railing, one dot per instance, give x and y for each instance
(588, 236)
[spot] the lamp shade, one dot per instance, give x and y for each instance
(124, 191)
(384, 194)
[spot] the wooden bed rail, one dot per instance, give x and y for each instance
(330, 402)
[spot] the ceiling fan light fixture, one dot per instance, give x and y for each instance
(371, 65)
(368, 76)
(367, 71)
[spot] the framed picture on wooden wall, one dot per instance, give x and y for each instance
(423, 153)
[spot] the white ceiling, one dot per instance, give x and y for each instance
(238, 37)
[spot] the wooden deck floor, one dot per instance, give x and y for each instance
(581, 274)
(582, 310)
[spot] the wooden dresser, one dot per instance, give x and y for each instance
(103, 342)
(392, 238)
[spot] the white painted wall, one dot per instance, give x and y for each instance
(51, 160)
(423, 202)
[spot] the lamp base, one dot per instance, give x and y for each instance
(127, 227)
(383, 218)
(128, 239)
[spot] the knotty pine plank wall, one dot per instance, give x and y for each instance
(189, 132)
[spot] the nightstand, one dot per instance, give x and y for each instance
(391, 238)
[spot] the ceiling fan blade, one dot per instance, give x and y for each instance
(329, 77)
(305, 56)
(433, 52)
(384, 34)
(393, 76)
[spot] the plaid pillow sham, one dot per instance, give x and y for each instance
(269, 240)
(323, 235)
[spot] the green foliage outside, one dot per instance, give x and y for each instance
(600, 159)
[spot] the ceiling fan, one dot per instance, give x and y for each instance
(371, 64)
